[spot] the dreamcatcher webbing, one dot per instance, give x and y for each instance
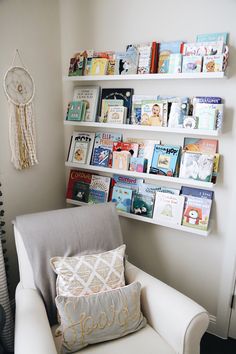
(19, 88)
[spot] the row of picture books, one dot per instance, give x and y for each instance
(209, 53)
(198, 158)
(188, 206)
(122, 106)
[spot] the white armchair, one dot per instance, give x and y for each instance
(175, 322)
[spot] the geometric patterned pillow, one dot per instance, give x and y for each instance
(89, 274)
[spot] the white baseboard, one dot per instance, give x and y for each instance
(212, 325)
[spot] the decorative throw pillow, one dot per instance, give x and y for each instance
(99, 317)
(88, 274)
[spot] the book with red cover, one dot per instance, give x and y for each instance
(123, 146)
(154, 58)
(78, 185)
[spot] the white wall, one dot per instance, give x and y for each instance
(33, 28)
(197, 266)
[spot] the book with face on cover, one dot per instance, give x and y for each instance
(81, 144)
(90, 96)
(168, 208)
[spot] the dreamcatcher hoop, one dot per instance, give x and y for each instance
(20, 90)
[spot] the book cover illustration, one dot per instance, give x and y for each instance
(144, 62)
(213, 37)
(213, 63)
(132, 183)
(142, 205)
(117, 114)
(165, 160)
(168, 208)
(76, 111)
(106, 140)
(152, 113)
(196, 166)
(88, 62)
(96, 196)
(148, 188)
(137, 101)
(121, 160)
(165, 49)
(197, 192)
(122, 197)
(127, 62)
(83, 138)
(207, 146)
(190, 122)
(78, 185)
(80, 152)
(77, 64)
(99, 189)
(101, 156)
(179, 108)
(138, 164)
(206, 114)
(125, 146)
(192, 64)
(99, 66)
(203, 48)
(175, 63)
(106, 104)
(124, 94)
(90, 96)
(197, 212)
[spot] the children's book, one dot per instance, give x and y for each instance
(127, 182)
(99, 189)
(197, 166)
(197, 212)
(99, 66)
(207, 99)
(148, 188)
(207, 146)
(165, 49)
(178, 110)
(127, 62)
(78, 185)
(101, 156)
(138, 164)
(197, 192)
(142, 204)
(88, 62)
(152, 113)
(216, 165)
(206, 114)
(192, 64)
(106, 104)
(203, 48)
(121, 160)
(168, 208)
(175, 63)
(124, 94)
(105, 140)
(122, 197)
(137, 107)
(145, 54)
(165, 160)
(81, 144)
(90, 96)
(117, 114)
(125, 146)
(154, 57)
(76, 111)
(213, 63)
(213, 37)
(190, 122)
(77, 64)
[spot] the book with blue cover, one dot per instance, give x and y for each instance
(105, 140)
(122, 197)
(213, 37)
(165, 160)
(96, 196)
(165, 50)
(101, 156)
(197, 192)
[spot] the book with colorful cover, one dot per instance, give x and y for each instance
(213, 37)
(77, 64)
(197, 212)
(138, 164)
(154, 113)
(81, 138)
(78, 185)
(165, 49)
(125, 146)
(99, 186)
(101, 156)
(126, 182)
(137, 101)
(148, 188)
(207, 146)
(192, 64)
(196, 166)
(99, 66)
(213, 63)
(165, 160)
(121, 160)
(90, 96)
(76, 111)
(197, 192)
(122, 197)
(88, 62)
(203, 48)
(96, 196)
(117, 114)
(124, 94)
(127, 62)
(168, 208)
(106, 140)
(142, 204)
(106, 104)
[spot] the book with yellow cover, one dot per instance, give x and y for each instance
(99, 66)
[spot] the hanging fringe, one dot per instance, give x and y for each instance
(22, 136)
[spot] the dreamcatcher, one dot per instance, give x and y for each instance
(19, 88)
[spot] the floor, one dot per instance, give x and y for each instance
(214, 345)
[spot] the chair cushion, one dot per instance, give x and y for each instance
(99, 317)
(145, 341)
(88, 274)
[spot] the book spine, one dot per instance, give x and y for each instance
(154, 58)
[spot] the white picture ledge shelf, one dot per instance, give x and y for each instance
(202, 75)
(151, 221)
(187, 132)
(147, 176)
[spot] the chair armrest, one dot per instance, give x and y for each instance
(178, 319)
(32, 329)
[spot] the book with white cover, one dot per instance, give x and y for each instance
(89, 95)
(168, 208)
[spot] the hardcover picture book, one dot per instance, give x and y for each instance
(122, 197)
(127, 62)
(206, 114)
(90, 96)
(137, 101)
(101, 156)
(81, 147)
(76, 111)
(154, 113)
(175, 63)
(165, 160)
(138, 164)
(213, 63)
(165, 49)
(124, 94)
(168, 208)
(142, 205)
(197, 212)
(99, 189)
(148, 188)
(207, 146)
(197, 192)
(105, 140)
(192, 64)
(127, 182)
(117, 114)
(213, 37)
(78, 185)
(179, 108)
(125, 146)
(145, 54)
(99, 66)
(203, 48)
(77, 64)
(121, 160)
(197, 166)
(106, 105)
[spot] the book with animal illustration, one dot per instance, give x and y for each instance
(78, 185)
(192, 64)
(122, 197)
(99, 66)
(77, 64)
(203, 48)
(207, 146)
(143, 204)
(127, 62)
(213, 63)
(105, 140)
(168, 208)
(76, 111)
(126, 146)
(117, 114)
(101, 156)
(81, 147)
(106, 105)
(90, 96)
(165, 160)
(198, 166)
(197, 212)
